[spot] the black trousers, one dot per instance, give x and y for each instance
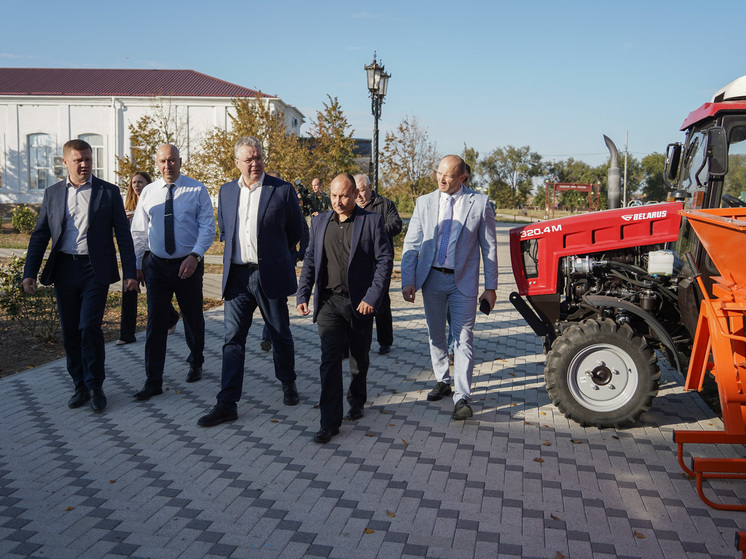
(340, 328)
(81, 301)
(128, 323)
(163, 281)
(384, 322)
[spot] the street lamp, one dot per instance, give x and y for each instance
(378, 82)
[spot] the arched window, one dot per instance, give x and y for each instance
(97, 146)
(40, 161)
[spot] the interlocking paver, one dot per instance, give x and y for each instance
(142, 480)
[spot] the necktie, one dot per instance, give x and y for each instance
(446, 232)
(168, 222)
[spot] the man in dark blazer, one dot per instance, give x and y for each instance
(349, 259)
(370, 200)
(260, 221)
(78, 215)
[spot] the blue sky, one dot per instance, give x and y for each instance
(549, 74)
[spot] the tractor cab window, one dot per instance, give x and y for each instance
(735, 180)
(694, 176)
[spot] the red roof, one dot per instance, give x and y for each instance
(119, 83)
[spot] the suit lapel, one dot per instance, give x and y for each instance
(97, 191)
(231, 201)
(357, 231)
(268, 189)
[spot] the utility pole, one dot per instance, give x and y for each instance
(626, 142)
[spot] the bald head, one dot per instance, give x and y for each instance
(168, 161)
(343, 192)
(451, 174)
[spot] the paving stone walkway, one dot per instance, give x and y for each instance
(142, 480)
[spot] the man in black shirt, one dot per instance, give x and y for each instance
(349, 259)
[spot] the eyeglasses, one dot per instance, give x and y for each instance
(253, 160)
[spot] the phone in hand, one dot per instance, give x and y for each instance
(484, 306)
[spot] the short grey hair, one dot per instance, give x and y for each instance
(362, 178)
(250, 141)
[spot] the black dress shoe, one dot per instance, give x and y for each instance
(462, 410)
(384, 349)
(195, 373)
(147, 392)
(79, 399)
(98, 400)
(440, 391)
(354, 414)
(265, 344)
(325, 435)
(219, 413)
(290, 393)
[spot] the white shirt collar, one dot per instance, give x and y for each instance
(253, 186)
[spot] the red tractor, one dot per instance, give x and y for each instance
(606, 290)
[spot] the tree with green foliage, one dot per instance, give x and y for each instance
(332, 146)
(471, 157)
(653, 186)
(574, 171)
(283, 151)
(509, 172)
(163, 125)
(408, 162)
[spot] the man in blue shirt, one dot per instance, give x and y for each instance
(175, 219)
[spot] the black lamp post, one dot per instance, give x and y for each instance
(378, 82)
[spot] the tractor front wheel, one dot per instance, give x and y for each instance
(601, 374)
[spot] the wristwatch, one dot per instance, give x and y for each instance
(197, 256)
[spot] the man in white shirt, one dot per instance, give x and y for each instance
(175, 219)
(260, 221)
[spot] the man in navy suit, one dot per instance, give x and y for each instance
(450, 229)
(260, 221)
(349, 259)
(78, 215)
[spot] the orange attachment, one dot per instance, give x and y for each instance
(720, 344)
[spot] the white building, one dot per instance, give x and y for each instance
(42, 108)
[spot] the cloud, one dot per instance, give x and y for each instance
(11, 55)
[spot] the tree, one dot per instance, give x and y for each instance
(333, 148)
(653, 185)
(573, 171)
(408, 163)
(509, 172)
(164, 125)
(471, 157)
(283, 151)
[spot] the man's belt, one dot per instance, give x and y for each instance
(74, 256)
(443, 270)
(250, 265)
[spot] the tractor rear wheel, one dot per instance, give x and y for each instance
(601, 374)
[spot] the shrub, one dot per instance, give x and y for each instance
(24, 219)
(36, 314)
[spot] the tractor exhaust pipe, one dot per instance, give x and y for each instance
(615, 181)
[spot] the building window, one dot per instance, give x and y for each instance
(96, 142)
(41, 161)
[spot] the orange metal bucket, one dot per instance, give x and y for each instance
(722, 232)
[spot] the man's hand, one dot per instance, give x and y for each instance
(303, 309)
(407, 292)
(490, 295)
(29, 286)
(188, 266)
(140, 277)
(364, 308)
(131, 285)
